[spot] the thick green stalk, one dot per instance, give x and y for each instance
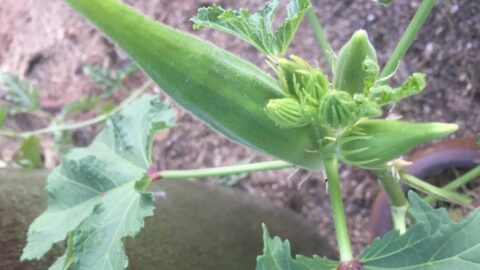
(221, 171)
(408, 37)
(321, 37)
(432, 190)
(460, 181)
(398, 200)
(336, 203)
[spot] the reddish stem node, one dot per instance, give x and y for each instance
(154, 173)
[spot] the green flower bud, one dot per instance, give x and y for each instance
(349, 73)
(286, 112)
(299, 79)
(315, 87)
(372, 143)
(337, 109)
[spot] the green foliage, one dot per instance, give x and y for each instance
(384, 94)
(97, 194)
(22, 96)
(256, 28)
(84, 104)
(277, 256)
(313, 120)
(433, 242)
(63, 139)
(107, 79)
(29, 154)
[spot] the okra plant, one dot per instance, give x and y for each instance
(99, 195)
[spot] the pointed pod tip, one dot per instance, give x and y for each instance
(444, 129)
(360, 39)
(360, 34)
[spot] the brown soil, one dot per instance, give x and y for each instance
(48, 43)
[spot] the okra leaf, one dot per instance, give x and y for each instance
(433, 242)
(384, 94)
(277, 256)
(255, 28)
(97, 194)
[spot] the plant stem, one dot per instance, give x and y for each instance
(393, 188)
(408, 37)
(336, 203)
(460, 181)
(221, 171)
(78, 125)
(399, 217)
(398, 201)
(320, 36)
(437, 192)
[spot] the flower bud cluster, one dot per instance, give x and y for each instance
(341, 111)
(303, 86)
(311, 99)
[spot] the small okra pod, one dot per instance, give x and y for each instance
(349, 73)
(372, 144)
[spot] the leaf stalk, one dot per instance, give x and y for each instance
(398, 201)
(321, 37)
(460, 181)
(437, 192)
(408, 37)
(220, 171)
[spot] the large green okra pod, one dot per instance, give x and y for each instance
(218, 87)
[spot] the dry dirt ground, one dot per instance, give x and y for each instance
(47, 43)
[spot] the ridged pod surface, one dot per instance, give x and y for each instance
(225, 91)
(349, 74)
(372, 143)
